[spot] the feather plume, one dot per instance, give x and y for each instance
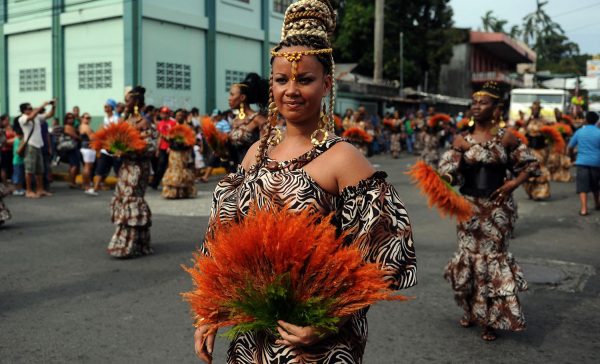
(554, 137)
(338, 122)
(439, 193)
(462, 124)
(358, 135)
(181, 134)
(215, 139)
(563, 128)
(281, 265)
(119, 138)
(567, 119)
(519, 135)
(438, 119)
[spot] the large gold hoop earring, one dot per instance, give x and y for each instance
(242, 114)
(502, 123)
(323, 124)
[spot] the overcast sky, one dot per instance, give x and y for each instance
(579, 18)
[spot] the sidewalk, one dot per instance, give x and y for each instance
(60, 174)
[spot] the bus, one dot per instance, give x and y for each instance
(550, 99)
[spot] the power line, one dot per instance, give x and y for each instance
(577, 10)
(583, 27)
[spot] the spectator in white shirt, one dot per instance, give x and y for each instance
(30, 122)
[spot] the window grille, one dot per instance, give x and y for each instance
(95, 75)
(173, 76)
(32, 79)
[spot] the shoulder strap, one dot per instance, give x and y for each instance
(30, 133)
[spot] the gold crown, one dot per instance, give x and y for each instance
(490, 89)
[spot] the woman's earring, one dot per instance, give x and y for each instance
(136, 110)
(323, 124)
(502, 123)
(471, 122)
(242, 114)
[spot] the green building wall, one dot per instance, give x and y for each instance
(89, 51)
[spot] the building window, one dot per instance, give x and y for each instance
(280, 6)
(95, 75)
(32, 79)
(232, 77)
(174, 76)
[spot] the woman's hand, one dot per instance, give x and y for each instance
(204, 342)
(502, 193)
(297, 336)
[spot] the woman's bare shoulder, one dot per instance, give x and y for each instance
(250, 157)
(349, 164)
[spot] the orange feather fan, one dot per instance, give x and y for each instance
(389, 123)
(556, 139)
(439, 193)
(214, 138)
(357, 134)
(567, 119)
(181, 134)
(119, 138)
(563, 128)
(519, 135)
(338, 122)
(438, 119)
(247, 259)
(462, 124)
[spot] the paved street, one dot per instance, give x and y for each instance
(64, 300)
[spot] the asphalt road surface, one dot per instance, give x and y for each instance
(64, 300)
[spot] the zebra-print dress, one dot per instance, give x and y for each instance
(371, 211)
(483, 273)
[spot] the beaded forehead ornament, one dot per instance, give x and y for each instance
(294, 57)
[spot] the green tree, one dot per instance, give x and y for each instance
(546, 37)
(492, 24)
(428, 38)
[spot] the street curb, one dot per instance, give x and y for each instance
(111, 181)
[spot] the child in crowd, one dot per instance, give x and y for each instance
(18, 177)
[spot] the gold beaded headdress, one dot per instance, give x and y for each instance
(314, 18)
(489, 89)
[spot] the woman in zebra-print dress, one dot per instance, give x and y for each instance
(308, 168)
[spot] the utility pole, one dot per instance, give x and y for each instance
(378, 54)
(401, 64)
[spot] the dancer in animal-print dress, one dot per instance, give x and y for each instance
(483, 273)
(306, 168)
(130, 211)
(4, 211)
